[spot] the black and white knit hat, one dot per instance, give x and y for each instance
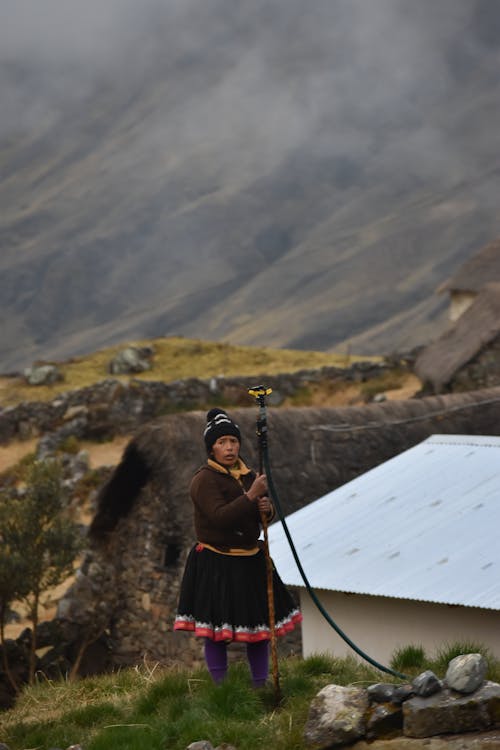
(219, 424)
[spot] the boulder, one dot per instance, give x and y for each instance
(387, 692)
(43, 375)
(384, 720)
(426, 684)
(466, 672)
(382, 692)
(448, 712)
(337, 716)
(130, 360)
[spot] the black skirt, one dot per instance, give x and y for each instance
(224, 598)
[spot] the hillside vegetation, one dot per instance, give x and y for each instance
(175, 358)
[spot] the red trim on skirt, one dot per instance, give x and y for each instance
(240, 636)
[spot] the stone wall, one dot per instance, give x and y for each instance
(112, 406)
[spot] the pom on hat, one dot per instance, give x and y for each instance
(219, 424)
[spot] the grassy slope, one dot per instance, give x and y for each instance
(175, 358)
(150, 708)
(146, 709)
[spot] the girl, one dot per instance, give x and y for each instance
(223, 594)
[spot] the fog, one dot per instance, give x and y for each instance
(252, 81)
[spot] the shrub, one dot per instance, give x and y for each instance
(36, 533)
(409, 658)
(70, 444)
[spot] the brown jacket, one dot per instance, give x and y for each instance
(223, 515)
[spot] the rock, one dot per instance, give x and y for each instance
(426, 684)
(130, 360)
(200, 745)
(483, 741)
(385, 720)
(402, 693)
(43, 375)
(80, 410)
(450, 712)
(466, 672)
(336, 716)
(382, 692)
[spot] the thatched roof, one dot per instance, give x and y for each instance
(482, 268)
(462, 341)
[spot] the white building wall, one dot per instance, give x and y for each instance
(379, 625)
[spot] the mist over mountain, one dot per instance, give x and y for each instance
(271, 173)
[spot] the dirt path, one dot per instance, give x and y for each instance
(13, 452)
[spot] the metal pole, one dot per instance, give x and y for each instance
(260, 393)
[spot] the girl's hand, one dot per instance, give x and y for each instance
(264, 504)
(258, 488)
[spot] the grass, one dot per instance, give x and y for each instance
(151, 709)
(175, 358)
(137, 708)
(412, 659)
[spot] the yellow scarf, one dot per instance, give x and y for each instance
(237, 471)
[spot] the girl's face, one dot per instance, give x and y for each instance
(226, 450)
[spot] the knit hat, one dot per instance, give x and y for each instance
(219, 424)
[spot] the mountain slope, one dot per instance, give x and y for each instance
(262, 175)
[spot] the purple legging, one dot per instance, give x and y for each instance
(257, 654)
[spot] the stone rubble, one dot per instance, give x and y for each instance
(338, 715)
(112, 407)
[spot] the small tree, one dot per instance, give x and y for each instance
(12, 576)
(41, 539)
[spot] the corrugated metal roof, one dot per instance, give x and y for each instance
(423, 525)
